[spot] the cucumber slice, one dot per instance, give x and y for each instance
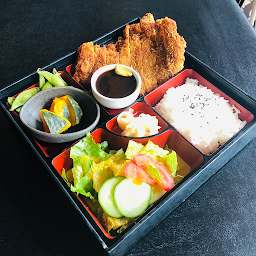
(132, 199)
(106, 197)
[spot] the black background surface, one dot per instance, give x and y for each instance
(36, 218)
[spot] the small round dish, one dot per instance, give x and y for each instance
(115, 103)
(29, 114)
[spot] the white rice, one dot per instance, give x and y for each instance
(204, 118)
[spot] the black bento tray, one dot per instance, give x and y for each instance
(209, 165)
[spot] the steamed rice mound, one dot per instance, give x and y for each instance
(204, 118)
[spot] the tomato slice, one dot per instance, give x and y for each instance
(165, 180)
(134, 171)
(144, 176)
(130, 170)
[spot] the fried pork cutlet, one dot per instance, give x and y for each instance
(161, 63)
(136, 54)
(174, 45)
(146, 64)
(112, 55)
(147, 24)
(148, 69)
(170, 47)
(85, 63)
(100, 57)
(135, 29)
(123, 47)
(153, 48)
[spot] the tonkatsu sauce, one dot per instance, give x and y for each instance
(113, 85)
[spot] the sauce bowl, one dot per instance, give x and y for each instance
(115, 103)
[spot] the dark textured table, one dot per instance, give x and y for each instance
(36, 218)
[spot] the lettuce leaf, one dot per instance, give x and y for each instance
(119, 163)
(84, 187)
(154, 151)
(77, 172)
(83, 183)
(87, 146)
(149, 149)
(171, 163)
(133, 149)
(100, 173)
(119, 155)
(154, 173)
(85, 162)
(64, 176)
(84, 154)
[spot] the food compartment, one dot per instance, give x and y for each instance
(134, 111)
(206, 133)
(53, 149)
(188, 158)
(50, 149)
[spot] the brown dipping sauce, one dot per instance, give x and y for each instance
(113, 85)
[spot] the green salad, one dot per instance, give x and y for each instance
(122, 184)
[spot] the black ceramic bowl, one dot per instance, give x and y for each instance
(29, 114)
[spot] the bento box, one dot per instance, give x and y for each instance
(201, 165)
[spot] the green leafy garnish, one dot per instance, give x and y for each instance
(63, 174)
(87, 146)
(171, 163)
(154, 173)
(85, 154)
(84, 187)
(154, 151)
(133, 149)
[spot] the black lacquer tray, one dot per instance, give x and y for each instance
(55, 157)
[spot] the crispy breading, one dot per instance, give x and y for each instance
(147, 24)
(135, 29)
(145, 30)
(174, 45)
(123, 47)
(85, 63)
(100, 57)
(148, 70)
(112, 55)
(161, 64)
(136, 54)
(153, 48)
